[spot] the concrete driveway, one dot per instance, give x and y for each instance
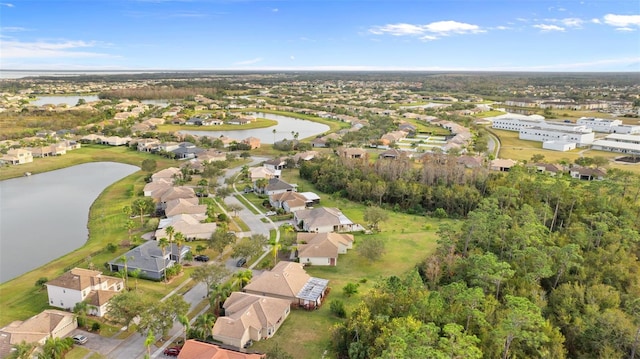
(96, 342)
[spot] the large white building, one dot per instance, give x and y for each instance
(627, 144)
(581, 137)
(599, 124)
(514, 122)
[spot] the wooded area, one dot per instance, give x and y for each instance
(543, 267)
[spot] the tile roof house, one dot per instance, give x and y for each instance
(250, 317)
(191, 228)
(156, 188)
(175, 193)
(322, 248)
(276, 163)
(194, 349)
(257, 173)
(352, 152)
(18, 156)
(276, 185)
(253, 142)
(212, 156)
(289, 280)
(324, 219)
(184, 206)
(149, 259)
(502, 165)
(51, 323)
(79, 285)
(587, 173)
(167, 174)
(289, 201)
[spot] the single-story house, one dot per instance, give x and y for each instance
(322, 248)
(156, 188)
(324, 219)
(311, 197)
(249, 317)
(253, 142)
(289, 280)
(587, 173)
(289, 201)
(276, 163)
(195, 349)
(257, 173)
(79, 285)
(18, 156)
(502, 165)
(191, 228)
(51, 323)
(148, 257)
(276, 185)
(352, 152)
(184, 206)
(167, 174)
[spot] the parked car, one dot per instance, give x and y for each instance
(80, 339)
(201, 258)
(241, 262)
(172, 352)
(270, 213)
(248, 343)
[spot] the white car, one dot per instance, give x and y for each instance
(270, 213)
(80, 339)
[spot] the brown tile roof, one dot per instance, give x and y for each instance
(286, 279)
(194, 349)
(80, 279)
(322, 244)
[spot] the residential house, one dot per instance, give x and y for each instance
(276, 185)
(250, 317)
(324, 219)
(187, 150)
(502, 165)
(548, 168)
(212, 156)
(117, 141)
(289, 280)
(184, 206)
(252, 142)
(352, 153)
(470, 161)
(319, 142)
(149, 259)
(257, 173)
(50, 323)
(322, 249)
(175, 193)
(393, 153)
(167, 174)
(156, 188)
(305, 156)
(190, 227)
(276, 163)
(587, 173)
(289, 201)
(79, 285)
(194, 349)
(18, 156)
(312, 198)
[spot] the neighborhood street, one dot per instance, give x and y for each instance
(133, 346)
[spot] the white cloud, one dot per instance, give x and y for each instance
(6, 4)
(572, 22)
(13, 29)
(548, 28)
(596, 21)
(502, 28)
(622, 21)
(42, 49)
(431, 31)
(292, 57)
(249, 62)
(275, 10)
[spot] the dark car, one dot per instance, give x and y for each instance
(172, 352)
(241, 262)
(201, 258)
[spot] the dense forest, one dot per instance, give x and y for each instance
(542, 267)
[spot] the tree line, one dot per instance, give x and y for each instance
(542, 268)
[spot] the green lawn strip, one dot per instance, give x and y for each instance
(244, 199)
(78, 352)
(259, 123)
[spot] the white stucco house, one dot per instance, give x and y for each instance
(79, 285)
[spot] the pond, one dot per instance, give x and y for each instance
(285, 126)
(44, 216)
(72, 100)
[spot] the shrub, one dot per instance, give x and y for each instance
(96, 326)
(350, 289)
(41, 281)
(112, 247)
(222, 217)
(337, 308)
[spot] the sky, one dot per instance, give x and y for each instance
(363, 35)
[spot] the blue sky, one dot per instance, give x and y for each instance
(509, 35)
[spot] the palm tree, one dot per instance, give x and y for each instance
(184, 320)
(275, 247)
(262, 183)
(147, 343)
(125, 273)
(22, 350)
(219, 293)
(80, 310)
(180, 239)
(163, 243)
(136, 273)
(170, 231)
(243, 277)
(203, 324)
(55, 348)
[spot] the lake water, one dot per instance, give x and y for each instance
(44, 216)
(73, 100)
(304, 128)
